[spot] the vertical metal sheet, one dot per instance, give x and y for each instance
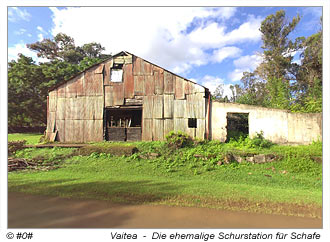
(200, 131)
(68, 108)
(158, 129)
(149, 86)
(78, 130)
(180, 124)
(61, 90)
(99, 69)
(98, 108)
(146, 68)
(168, 106)
(51, 122)
(168, 126)
(179, 108)
(187, 87)
(169, 83)
(128, 81)
(138, 85)
(88, 126)
(191, 106)
(148, 103)
(159, 82)
(60, 130)
(106, 72)
(179, 88)
(108, 97)
(80, 86)
(69, 130)
(147, 129)
(200, 107)
(71, 88)
(61, 108)
(158, 107)
(136, 66)
(118, 94)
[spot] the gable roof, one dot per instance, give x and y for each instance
(111, 57)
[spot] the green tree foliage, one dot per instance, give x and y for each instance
(27, 93)
(278, 82)
(28, 82)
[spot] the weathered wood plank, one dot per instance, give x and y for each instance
(168, 106)
(139, 85)
(158, 129)
(148, 103)
(179, 88)
(158, 106)
(180, 124)
(129, 101)
(179, 108)
(169, 83)
(128, 81)
(159, 82)
(147, 129)
(168, 126)
(149, 86)
(200, 131)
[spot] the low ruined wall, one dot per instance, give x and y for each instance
(279, 126)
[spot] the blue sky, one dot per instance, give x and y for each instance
(211, 46)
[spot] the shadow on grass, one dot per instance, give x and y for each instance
(70, 203)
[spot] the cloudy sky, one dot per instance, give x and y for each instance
(207, 45)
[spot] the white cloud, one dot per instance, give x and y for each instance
(15, 14)
(20, 31)
(226, 52)
(212, 82)
(40, 37)
(21, 48)
(244, 63)
(41, 30)
(156, 34)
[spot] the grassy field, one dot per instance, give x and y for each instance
(30, 138)
(189, 176)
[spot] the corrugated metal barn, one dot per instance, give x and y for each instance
(126, 98)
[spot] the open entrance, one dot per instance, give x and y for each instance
(123, 124)
(237, 125)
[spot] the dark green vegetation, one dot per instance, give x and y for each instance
(193, 175)
(279, 82)
(28, 82)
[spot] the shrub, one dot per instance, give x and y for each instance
(176, 140)
(14, 146)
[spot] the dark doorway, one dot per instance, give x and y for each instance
(237, 125)
(123, 124)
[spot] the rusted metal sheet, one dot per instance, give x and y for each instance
(61, 90)
(191, 106)
(69, 130)
(51, 122)
(179, 88)
(60, 127)
(99, 69)
(169, 83)
(108, 97)
(180, 124)
(80, 86)
(158, 129)
(128, 81)
(168, 126)
(168, 106)
(147, 129)
(78, 131)
(139, 85)
(98, 111)
(52, 103)
(158, 106)
(149, 86)
(71, 87)
(188, 87)
(200, 131)
(136, 66)
(200, 107)
(146, 68)
(159, 82)
(68, 108)
(179, 108)
(93, 83)
(148, 103)
(106, 72)
(93, 130)
(61, 108)
(118, 94)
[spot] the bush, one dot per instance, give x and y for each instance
(176, 140)
(14, 146)
(256, 142)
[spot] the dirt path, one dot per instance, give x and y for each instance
(31, 211)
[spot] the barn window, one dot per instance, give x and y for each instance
(192, 122)
(116, 74)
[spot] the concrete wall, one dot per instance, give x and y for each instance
(279, 126)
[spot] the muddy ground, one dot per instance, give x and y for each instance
(34, 211)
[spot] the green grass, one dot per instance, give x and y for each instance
(184, 177)
(31, 138)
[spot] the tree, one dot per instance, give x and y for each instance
(26, 93)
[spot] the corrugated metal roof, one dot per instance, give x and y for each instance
(119, 54)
